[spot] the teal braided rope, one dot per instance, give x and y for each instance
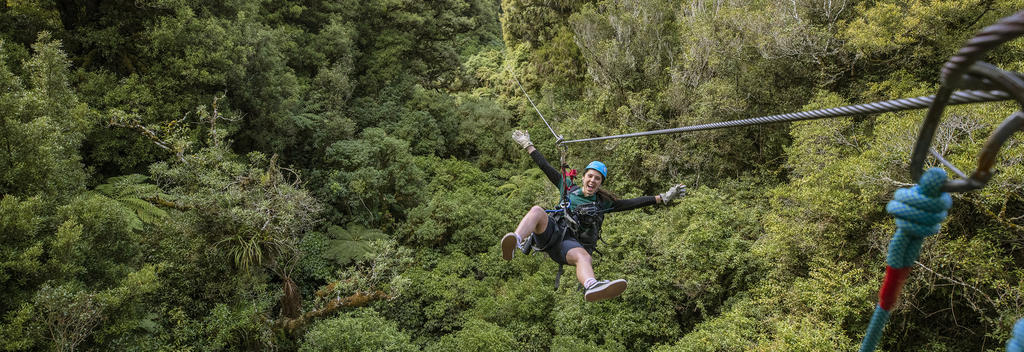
(1016, 343)
(919, 213)
(874, 333)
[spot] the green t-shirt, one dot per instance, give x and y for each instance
(576, 198)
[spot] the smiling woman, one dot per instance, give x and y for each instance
(570, 233)
(596, 173)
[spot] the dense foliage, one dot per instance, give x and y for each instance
(335, 175)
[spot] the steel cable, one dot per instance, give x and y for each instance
(558, 138)
(960, 97)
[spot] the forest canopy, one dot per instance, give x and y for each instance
(336, 175)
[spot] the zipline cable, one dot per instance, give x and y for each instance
(558, 138)
(960, 97)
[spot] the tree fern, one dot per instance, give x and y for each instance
(132, 192)
(350, 244)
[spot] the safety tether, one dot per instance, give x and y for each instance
(919, 213)
(558, 138)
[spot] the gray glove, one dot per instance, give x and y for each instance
(676, 192)
(522, 137)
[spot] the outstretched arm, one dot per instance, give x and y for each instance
(543, 164)
(633, 203)
(675, 192)
(523, 138)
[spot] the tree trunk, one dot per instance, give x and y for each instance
(291, 302)
(359, 299)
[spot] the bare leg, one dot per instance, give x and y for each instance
(579, 258)
(599, 290)
(535, 221)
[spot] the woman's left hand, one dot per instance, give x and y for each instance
(676, 192)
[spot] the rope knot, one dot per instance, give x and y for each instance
(919, 212)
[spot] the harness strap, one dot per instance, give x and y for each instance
(552, 241)
(558, 275)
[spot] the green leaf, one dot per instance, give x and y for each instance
(350, 244)
(146, 211)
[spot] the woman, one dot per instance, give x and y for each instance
(569, 236)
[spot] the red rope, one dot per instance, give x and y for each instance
(891, 287)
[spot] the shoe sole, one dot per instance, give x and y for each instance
(614, 289)
(508, 246)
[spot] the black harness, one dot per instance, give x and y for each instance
(582, 222)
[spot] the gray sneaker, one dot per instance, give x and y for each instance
(508, 245)
(604, 289)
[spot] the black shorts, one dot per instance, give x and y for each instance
(557, 251)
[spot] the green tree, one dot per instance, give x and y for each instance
(42, 124)
(372, 180)
(358, 331)
(237, 220)
(475, 336)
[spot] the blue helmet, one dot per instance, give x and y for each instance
(599, 166)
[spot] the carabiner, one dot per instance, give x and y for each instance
(988, 154)
(991, 76)
(563, 156)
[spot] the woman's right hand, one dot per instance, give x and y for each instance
(522, 137)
